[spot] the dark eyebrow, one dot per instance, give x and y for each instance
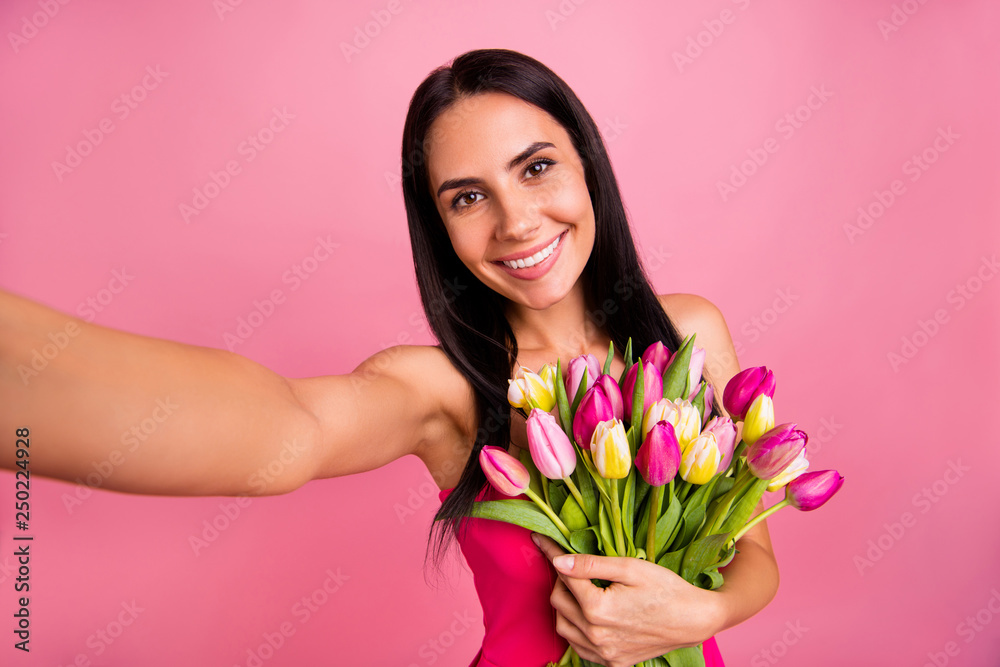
(518, 159)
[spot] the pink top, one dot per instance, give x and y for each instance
(514, 580)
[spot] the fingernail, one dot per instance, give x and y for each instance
(534, 538)
(564, 563)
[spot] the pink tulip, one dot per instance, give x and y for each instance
(811, 489)
(775, 450)
(613, 393)
(505, 473)
(659, 457)
(725, 435)
(652, 388)
(657, 355)
(744, 387)
(697, 365)
(550, 448)
(709, 397)
(574, 373)
(594, 408)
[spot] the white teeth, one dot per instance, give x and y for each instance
(534, 259)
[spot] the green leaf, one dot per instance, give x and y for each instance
(585, 484)
(699, 400)
(562, 402)
(586, 541)
(672, 560)
(691, 523)
(744, 507)
(610, 357)
(723, 486)
(580, 392)
(628, 504)
(690, 656)
(607, 536)
(635, 419)
(572, 514)
(702, 555)
(675, 377)
(709, 580)
(666, 525)
(557, 494)
(522, 513)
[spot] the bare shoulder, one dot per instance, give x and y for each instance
(695, 314)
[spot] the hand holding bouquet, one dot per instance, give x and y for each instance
(692, 489)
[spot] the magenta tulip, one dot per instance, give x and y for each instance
(505, 473)
(744, 387)
(652, 388)
(657, 355)
(811, 489)
(659, 457)
(725, 435)
(550, 448)
(594, 408)
(574, 373)
(775, 450)
(613, 393)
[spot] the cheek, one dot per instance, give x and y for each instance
(572, 204)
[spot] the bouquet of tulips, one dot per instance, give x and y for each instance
(692, 489)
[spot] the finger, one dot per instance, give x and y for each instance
(547, 545)
(610, 568)
(566, 629)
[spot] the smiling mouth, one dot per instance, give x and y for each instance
(537, 258)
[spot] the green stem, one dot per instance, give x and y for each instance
(760, 517)
(548, 511)
(654, 509)
(616, 517)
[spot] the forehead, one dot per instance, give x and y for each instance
(485, 131)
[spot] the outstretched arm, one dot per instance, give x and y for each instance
(159, 417)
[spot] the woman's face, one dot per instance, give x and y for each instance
(511, 190)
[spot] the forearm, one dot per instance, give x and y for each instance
(141, 414)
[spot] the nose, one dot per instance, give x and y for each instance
(519, 219)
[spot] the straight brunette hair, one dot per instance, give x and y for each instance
(466, 316)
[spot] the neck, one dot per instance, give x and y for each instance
(563, 330)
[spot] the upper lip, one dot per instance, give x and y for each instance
(529, 252)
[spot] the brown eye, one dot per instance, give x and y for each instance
(536, 168)
(465, 199)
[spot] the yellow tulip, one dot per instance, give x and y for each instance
(759, 420)
(794, 469)
(609, 446)
(700, 461)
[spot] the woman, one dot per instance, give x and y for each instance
(523, 255)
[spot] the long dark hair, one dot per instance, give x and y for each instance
(466, 316)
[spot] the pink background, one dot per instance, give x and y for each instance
(857, 585)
